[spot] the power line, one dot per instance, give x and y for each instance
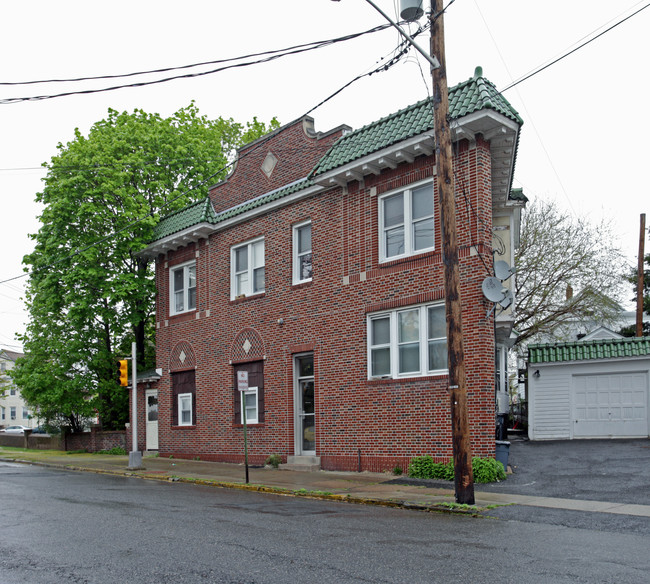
(381, 68)
(227, 64)
(565, 55)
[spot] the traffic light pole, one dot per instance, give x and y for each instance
(135, 456)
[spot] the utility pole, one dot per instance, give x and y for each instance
(464, 482)
(640, 280)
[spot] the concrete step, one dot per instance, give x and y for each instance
(302, 463)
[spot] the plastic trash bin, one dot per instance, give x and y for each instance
(502, 452)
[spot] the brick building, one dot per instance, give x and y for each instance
(316, 268)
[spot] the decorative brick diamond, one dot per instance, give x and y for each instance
(247, 346)
(182, 357)
(269, 164)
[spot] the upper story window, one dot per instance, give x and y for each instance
(408, 342)
(302, 258)
(183, 288)
(247, 268)
(406, 222)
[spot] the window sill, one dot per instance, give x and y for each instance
(390, 262)
(241, 299)
(183, 316)
(303, 284)
(183, 427)
(414, 379)
(256, 425)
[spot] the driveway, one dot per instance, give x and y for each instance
(595, 470)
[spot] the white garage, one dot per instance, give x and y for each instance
(589, 389)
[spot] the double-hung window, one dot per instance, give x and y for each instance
(249, 405)
(302, 259)
(406, 222)
(184, 409)
(183, 288)
(247, 269)
(408, 342)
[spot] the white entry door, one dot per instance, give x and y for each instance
(610, 405)
(151, 396)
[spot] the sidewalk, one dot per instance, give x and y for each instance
(366, 488)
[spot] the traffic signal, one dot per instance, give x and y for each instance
(124, 372)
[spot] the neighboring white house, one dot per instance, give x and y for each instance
(13, 409)
(593, 388)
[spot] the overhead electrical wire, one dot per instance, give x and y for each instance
(228, 64)
(570, 52)
(381, 68)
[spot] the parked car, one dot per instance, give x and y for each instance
(15, 429)
(40, 430)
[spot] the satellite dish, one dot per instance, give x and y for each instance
(502, 270)
(507, 299)
(411, 9)
(493, 289)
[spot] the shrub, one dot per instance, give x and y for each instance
(485, 470)
(274, 460)
(117, 450)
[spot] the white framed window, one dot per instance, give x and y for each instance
(406, 222)
(302, 256)
(25, 414)
(185, 409)
(182, 285)
(408, 342)
(12, 412)
(2, 413)
(249, 405)
(247, 268)
(12, 391)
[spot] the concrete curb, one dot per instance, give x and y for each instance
(445, 507)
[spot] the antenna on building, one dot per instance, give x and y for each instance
(502, 270)
(493, 290)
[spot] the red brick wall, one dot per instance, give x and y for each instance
(297, 150)
(382, 423)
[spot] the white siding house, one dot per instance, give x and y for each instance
(589, 389)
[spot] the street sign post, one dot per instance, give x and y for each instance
(242, 386)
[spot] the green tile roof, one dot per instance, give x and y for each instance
(203, 212)
(589, 350)
(475, 94)
(199, 212)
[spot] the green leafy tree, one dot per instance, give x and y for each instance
(568, 271)
(632, 278)
(89, 295)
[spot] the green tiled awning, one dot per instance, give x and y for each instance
(589, 350)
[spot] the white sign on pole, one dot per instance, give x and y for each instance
(242, 380)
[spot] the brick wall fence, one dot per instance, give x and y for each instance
(93, 441)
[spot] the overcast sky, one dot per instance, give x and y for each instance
(586, 125)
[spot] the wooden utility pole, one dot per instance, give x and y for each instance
(640, 279)
(464, 482)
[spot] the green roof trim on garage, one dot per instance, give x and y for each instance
(473, 95)
(589, 350)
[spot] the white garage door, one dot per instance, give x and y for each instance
(610, 405)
